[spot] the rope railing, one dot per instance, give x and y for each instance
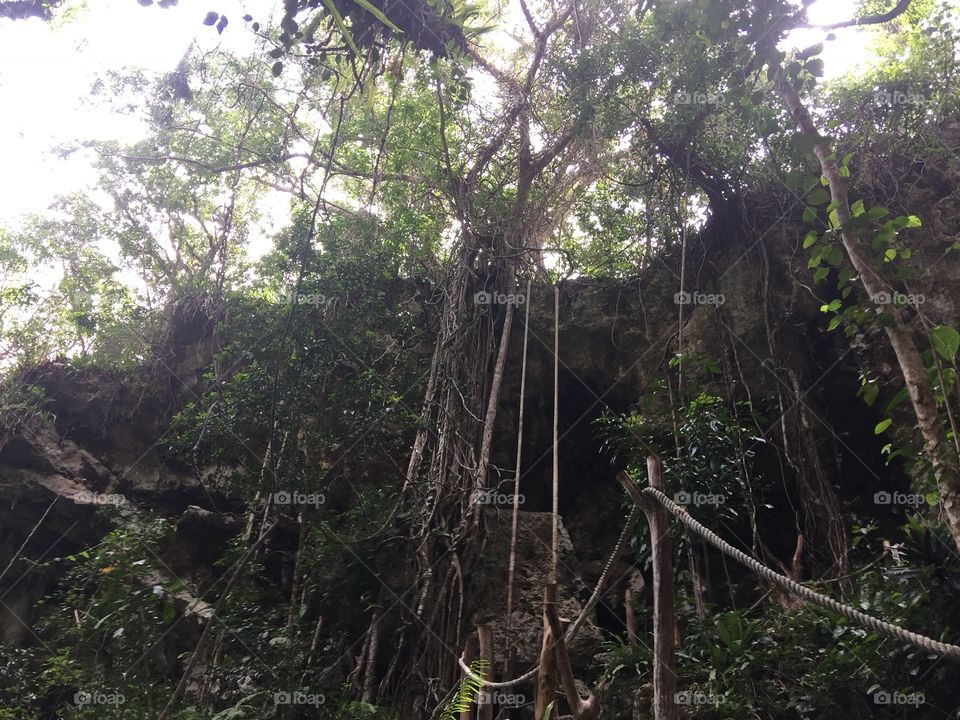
(867, 621)
(792, 586)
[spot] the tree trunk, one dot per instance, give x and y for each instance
(547, 677)
(485, 701)
(664, 625)
(371, 674)
(908, 356)
(470, 651)
(588, 709)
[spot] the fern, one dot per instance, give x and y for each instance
(469, 688)
(238, 711)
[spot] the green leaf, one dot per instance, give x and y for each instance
(857, 208)
(896, 399)
(882, 425)
(844, 171)
(821, 274)
(815, 67)
(869, 393)
(818, 197)
(834, 323)
(344, 30)
(932, 498)
(946, 341)
(809, 239)
(913, 221)
(366, 5)
(875, 213)
(809, 215)
(890, 255)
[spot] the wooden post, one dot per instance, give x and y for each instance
(581, 709)
(485, 701)
(665, 661)
(509, 671)
(664, 648)
(547, 677)
(469, 655)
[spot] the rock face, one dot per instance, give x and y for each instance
(50, 489)
(767, 336)
(68, 475)
(524, 630)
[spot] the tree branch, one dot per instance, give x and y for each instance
(894, 12)
(23, 9)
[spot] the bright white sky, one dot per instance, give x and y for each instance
(47, 70)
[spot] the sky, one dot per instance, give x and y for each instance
(48, 69)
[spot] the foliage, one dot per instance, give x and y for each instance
(405, 150)
(806, 662)
(469, 687)
(706, 449)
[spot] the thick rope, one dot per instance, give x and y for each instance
(595, 598)
(516, 476)
(575, 628)
(867, 621)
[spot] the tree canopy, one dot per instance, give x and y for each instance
(328, 209)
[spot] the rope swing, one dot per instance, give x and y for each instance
(555, 544)
(516, 476)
